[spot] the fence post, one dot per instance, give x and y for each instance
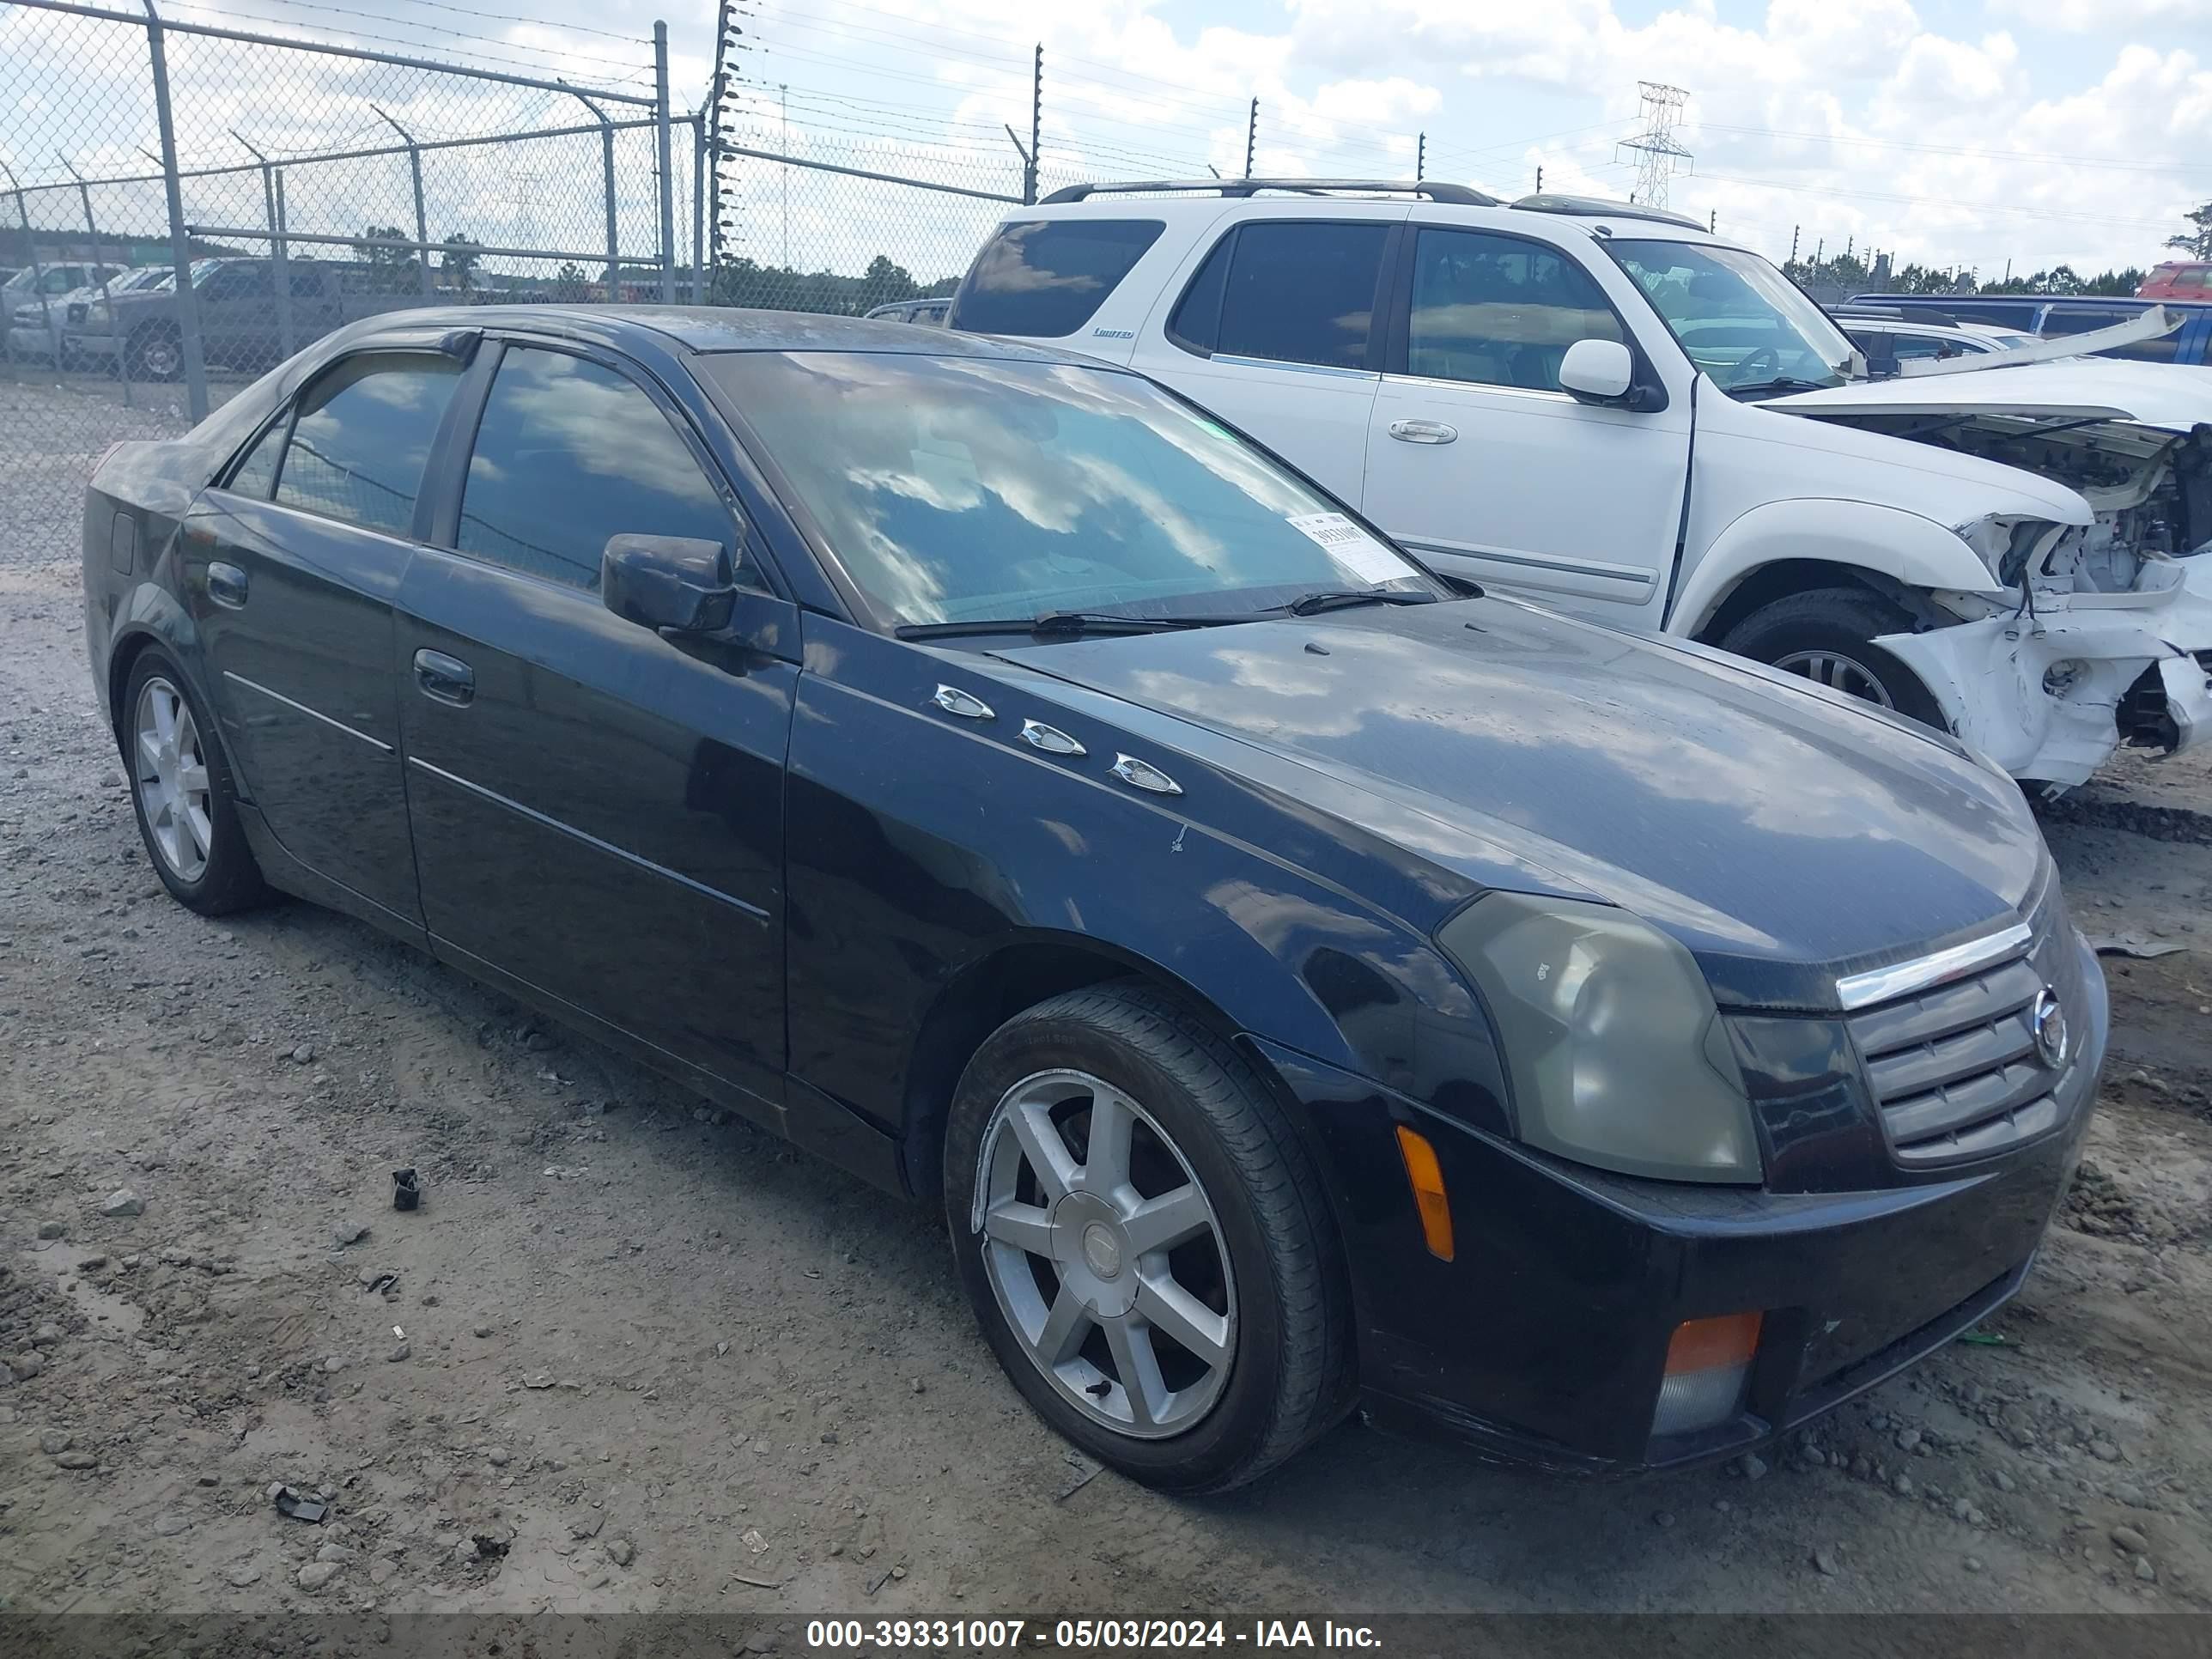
(106, 299)
(1251, 136)
(1037, 128)
(607, 156)
(699, 209)
(1421, 158)
(421, 220)
(662, 136)
(280, 287)
(180, 241)
(30, 252)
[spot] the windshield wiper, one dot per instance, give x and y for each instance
(1333, 598)
(1057, 625)
(1779, 384)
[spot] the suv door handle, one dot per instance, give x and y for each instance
(1423, 432)
(446, 679)
(227, 586)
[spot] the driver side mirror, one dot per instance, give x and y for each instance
(1598, 371)
(683, 583)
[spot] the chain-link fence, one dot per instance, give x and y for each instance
(299, 186)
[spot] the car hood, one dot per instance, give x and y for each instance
(2175, 398)
(1783, 835)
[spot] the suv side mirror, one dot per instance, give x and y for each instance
(680, 583)
(1598, 371)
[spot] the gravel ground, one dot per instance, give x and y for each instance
(630, 1357)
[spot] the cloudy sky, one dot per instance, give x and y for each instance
(1965, 132)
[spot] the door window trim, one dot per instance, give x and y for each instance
(449, 468)
(1397, 350)
(1394, 233)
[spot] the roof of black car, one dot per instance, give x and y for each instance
(725, 328)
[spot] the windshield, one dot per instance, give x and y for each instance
(967, 489)
(1742, 321)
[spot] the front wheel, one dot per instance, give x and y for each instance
(1145, 1241)
(155, 353)
(1827, 636)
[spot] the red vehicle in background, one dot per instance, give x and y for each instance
(2178, 279)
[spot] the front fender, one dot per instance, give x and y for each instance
(1860, 535)
(921, 844)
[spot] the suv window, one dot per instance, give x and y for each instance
(569, 453)
(1499, 311)
(362, 438)
(239, 282)
(1047, 277)
(1924, 345)
(1291, 291)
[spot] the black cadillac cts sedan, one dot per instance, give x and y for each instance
(1304, 985)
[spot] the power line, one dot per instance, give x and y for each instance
(1960, 149)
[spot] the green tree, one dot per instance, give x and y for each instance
(2196, 242)
(571, 283)
(391, 269)
(457, 262)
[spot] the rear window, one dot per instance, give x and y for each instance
(1047, 277)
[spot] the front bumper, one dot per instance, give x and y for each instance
(80, 342)
(1544, 1341)
(1995, 683)
(29, 342)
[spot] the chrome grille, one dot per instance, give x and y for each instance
(1954, 1068)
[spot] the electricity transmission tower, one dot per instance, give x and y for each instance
(1656, 149)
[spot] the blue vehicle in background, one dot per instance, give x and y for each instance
(2055, 318)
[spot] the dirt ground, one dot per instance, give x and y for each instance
(627, 1357)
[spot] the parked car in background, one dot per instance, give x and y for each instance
(1298, 986)
(30, 302)
(930, 313)
(245, 323)
(1895, 342)
(2050, 318)
(1592, 402)
(68, 309)
(2177, 279)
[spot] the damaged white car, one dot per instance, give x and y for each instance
(1607, 409)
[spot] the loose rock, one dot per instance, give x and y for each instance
(122, 1202)
(619, 1551)
(316, 1574)
(1825, 1562)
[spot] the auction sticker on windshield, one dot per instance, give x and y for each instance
(1353, 547)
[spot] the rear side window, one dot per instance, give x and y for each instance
(1047, 277)
(1287, 290)
(362, 435)
(569, 453)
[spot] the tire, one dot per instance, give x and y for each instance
(1264, 1276)
(155, 353)
(1826, 636)
(222, 877)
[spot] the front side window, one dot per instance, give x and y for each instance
(1498, 311)
(362, 439)
(569, 453)
(1298, 292)
(1738, 318)
(960, 489)
(1047, 277)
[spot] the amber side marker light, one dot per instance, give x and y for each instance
(1707, 1362)
(1428, 1184)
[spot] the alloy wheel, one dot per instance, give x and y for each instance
(172, 772)
(1839, 674)
(1105, 1254)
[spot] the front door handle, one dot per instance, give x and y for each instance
(1423, 432)
(447, 679)
(227, 586)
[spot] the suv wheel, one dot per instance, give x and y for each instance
(181, 790)
(1827, 636)
(1145, 1241)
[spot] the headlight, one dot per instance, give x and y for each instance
(1615, 1051)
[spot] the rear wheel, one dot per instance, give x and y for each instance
(182, 792)
(1145, 1241)
(1827, 636)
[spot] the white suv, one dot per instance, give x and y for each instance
(1604, 408)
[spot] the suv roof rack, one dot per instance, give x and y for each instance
(1579, 205)
(1435, 190)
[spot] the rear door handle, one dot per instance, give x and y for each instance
(1423, 432)
(227, 586)
(447, 679)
